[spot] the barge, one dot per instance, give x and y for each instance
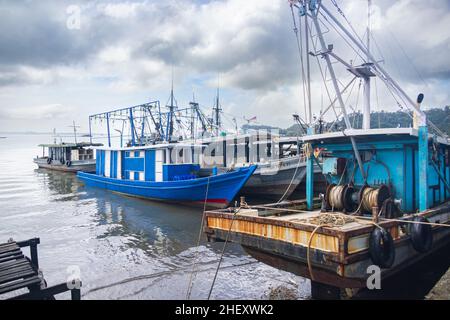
(387, 201)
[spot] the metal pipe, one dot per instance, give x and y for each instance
(338, 92)
(391, 81)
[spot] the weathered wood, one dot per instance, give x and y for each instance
(9, 287)
(49, 293)
(17, 275)
(19, 272)
(12, 257)
(13, 264)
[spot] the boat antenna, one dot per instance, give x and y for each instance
(171, 108)
(74, 130)
(217, 108)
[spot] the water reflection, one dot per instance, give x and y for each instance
(59, 182)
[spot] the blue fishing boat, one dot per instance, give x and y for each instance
(153, 172)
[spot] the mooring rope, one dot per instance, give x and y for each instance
(223, 251)
(194, 267)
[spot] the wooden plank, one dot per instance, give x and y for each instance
(20, 284)
(49, 293)
(4, 279)
(8, 247)
(9, 253)
(13, 257)
(6, 244)
(13, 264)
(17, 270)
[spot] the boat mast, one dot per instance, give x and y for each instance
(217, 114)
(74, 130)
(171, 108)
(366, 107)
(308, 73)
(385, 77)
(325, 52)
(217, 110)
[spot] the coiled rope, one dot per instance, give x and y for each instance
(335, 197)
(369, 198)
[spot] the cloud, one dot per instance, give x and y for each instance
(52, 111)
(125, 50)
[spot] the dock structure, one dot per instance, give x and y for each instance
(19, 272)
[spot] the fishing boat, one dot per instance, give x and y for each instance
(163, 170)
(387, 202)
(280, 161)
(151, 172)
(68, 157)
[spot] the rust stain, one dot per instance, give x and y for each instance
(299, 237)
(358, 243)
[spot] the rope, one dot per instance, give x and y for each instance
(292, 179)
(335, 197)
(222, 253)
(194, 266)
(300, 50)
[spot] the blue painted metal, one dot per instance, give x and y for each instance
(222, 188)
(171, 171)
(133, 139)
(149, 165)
(329, 166)
(423, 168)
(107, 128)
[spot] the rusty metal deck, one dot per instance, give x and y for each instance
(278, 232)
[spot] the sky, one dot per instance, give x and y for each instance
(64, 60)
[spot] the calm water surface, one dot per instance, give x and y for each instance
(126, 248)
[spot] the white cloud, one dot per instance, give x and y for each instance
(51, 111)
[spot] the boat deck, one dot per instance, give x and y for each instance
(337, 245)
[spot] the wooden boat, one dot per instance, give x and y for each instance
(150, 172)
(68, 157)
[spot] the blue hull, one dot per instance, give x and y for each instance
(221, 190)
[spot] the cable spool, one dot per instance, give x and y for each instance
(339, 197)
(370, 197)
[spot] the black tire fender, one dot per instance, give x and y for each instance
(421, 235)
(49, 160)
(381, 248)
(68, 163)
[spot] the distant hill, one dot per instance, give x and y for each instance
(439, 116)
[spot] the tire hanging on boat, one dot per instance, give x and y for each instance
(68, 163)
(49, 160)
(381, 248)
(421, 235)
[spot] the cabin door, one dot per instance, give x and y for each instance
(159, 161)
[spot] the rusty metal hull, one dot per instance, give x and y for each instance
(338, 256)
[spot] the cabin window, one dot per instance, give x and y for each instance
(137, 154)
(127, 154)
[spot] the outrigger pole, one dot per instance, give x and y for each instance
(326, 54)
(386, 77)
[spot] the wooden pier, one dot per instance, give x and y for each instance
(19, 272)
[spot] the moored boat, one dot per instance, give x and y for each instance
(387, 201)
(68, 157)
(150, 172)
